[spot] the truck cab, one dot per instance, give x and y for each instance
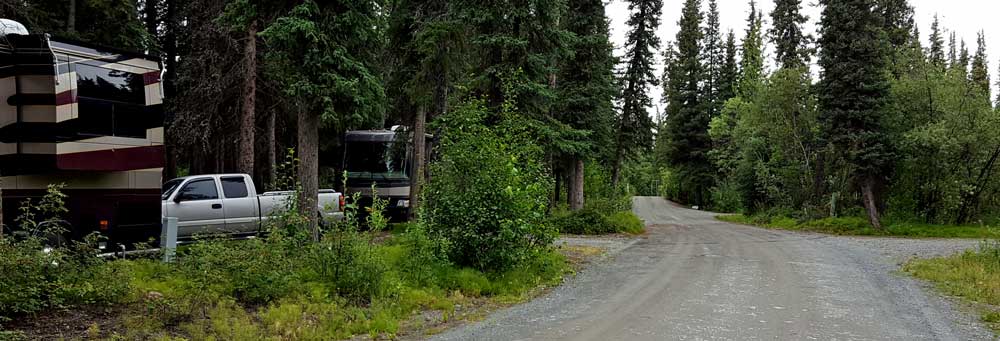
(229, 204)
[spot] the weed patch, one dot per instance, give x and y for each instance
(856, 226)
(973, 275)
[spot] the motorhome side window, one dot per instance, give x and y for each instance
(111, 102)
(109, 85)
(199, 190)
(234, 187)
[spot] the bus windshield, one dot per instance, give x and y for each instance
(377, 161)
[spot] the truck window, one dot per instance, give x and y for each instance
(199, 190)
(234, 187)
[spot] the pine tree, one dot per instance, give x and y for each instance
(980, 74)
(427, 53)
(635, 127)
(936, 52)
(963, 60)
(899, 26)
(791, 44)
(730, 70)
(687, 127)
(308, 53)
(752, 64)
(952, 51)
(714, 58)
(852, 91)
(521, 39)
(897, 17)
(587, 89)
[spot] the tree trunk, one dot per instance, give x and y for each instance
(419, 145)
(245, 154)
(169, 43)
(1, 210)
(616, 170)
(308, 123)
(558, 190)
(71, 18)
(272, 148)
(151, 17)
(871, 204)
(577, 190)
(571, 184)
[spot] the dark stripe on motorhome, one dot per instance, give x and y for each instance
(32, 99)
(113, 159)
(150, 78)
(27, 70)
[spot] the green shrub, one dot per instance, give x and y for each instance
(726, 197)
(38, 274)
(585, 221)
(627, 222)
(590, 221)
(488, 195)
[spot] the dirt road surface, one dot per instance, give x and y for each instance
(693, 277)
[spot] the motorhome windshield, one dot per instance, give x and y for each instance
(375, 160)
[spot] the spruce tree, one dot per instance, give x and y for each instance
(308, 55)
(791, 44)
(852, 91)
(980, 74)
(714, 55)
(963, 60)
(687, 128)
(952, 51)
(519, 39)
(752, 64)
(586, 89)
(730, 70)
(898, 23)
(635, 127)
(936, 52)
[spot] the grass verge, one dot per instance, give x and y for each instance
(973, 276)
(259, 290)
(856, 226)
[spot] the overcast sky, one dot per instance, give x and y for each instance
(964, 17)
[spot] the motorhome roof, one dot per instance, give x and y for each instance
(382, 135)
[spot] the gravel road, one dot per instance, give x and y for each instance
(695, 278)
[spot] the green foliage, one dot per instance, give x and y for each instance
(41, 275)
(322, 56)
(858, 226)
(973, 275)
(686, 138)
(104, 22)
(489, 193)
(634, 124)
(791, 43)
(586, 81)
(510, 37)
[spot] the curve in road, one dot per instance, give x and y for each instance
(693, 277)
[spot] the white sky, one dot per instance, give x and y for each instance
(964, 17)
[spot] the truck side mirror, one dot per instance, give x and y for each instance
(177, 198)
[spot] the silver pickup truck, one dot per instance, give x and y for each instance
(229, 204)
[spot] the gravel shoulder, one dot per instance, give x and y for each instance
(693, 277)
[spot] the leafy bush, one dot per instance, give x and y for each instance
(488, 195)
(584, 221)
(38, 274)
(627, 222)
(590, 221)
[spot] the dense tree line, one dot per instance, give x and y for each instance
(247, 79)
(889, 128)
